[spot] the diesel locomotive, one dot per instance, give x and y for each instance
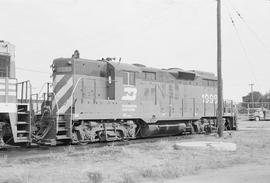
(107, 100)
(15, 101)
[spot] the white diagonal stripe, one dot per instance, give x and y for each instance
(57, 79)
(64, 89)
(66, 105)
(61, 93)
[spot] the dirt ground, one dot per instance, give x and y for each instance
(150, 162)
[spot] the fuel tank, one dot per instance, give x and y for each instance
(162, 130)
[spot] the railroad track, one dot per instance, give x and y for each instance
(27, 152)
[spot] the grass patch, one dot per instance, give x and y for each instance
(155, 161)
(129, 178)
(94, 177)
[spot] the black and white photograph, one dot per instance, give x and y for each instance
(134, 91)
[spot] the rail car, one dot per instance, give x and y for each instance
(105, 100)
(15, 103)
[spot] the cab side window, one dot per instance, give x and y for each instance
(128, 78)
(149, 76)
(4, 68)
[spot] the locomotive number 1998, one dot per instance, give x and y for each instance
(209, 98)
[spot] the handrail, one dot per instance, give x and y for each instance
(41, 89)
(57, 112)
(31, 109)
(24, 95)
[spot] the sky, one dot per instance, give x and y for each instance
(156, 33)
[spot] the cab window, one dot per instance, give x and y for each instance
(4, 66)
(149, 76)
(129, 78)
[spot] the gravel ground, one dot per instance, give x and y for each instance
(150, 162)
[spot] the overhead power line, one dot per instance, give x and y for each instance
(249, 27)
(241, 44)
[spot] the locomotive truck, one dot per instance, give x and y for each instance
(106, 100)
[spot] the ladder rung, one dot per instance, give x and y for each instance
(22, 112)
(62, 137)
(22, 131)
(22, 123)
(22, 139)
(62, 129)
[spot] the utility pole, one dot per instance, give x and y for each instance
(268, 96)
(252, 97)
(219, 73)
